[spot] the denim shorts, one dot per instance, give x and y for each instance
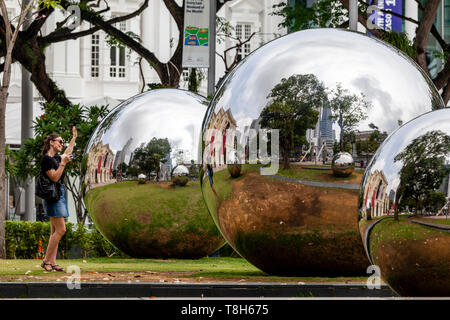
(57, 209)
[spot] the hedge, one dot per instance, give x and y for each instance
(29, 240)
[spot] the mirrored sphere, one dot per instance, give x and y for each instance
(342, 164)
(404, 215)
(287, 213)
(141, 177)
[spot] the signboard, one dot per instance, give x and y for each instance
(196, 34)
(385, 20)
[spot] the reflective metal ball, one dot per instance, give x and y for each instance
(152, 136)
(404, 215)
(342, 164)
(280, 220)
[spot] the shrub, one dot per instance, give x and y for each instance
(180, 180)
(24, 239)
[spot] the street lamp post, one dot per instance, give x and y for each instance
(212, 48)
(26, 125)
(353, 15)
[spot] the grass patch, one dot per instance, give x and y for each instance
(208, 264)
(435, 221)
(391, 230)
(211, 267)
(313, 175)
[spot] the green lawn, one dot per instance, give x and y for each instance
(311, 174)
(437, 221)
(391, 230)
(211, 267)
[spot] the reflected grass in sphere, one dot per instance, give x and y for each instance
(129, 164)
(404, 207)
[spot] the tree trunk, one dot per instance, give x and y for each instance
(286, 148)
(3, 99)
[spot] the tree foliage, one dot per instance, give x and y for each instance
(293, 108)
(323, 14)
(423, 167)
(349, 109)
(60, 119)
(149, 157)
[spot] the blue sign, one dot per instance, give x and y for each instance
(384, 19)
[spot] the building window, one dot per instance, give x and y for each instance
(117, 55)
(95, 55)
(243, 32)
(186, 75)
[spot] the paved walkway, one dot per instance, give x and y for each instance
(200, 290)
(319, 183)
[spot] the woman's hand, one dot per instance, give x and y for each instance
(66, 158)
(74, 132)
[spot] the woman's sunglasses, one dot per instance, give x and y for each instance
(59, 140)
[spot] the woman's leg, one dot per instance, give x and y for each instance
(58, 227)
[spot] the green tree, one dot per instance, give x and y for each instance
(348, 110)
(299, 16)
(60, 119)
(423, 167)
(9, 44)
(194, 80)
(292, 109)
(434, 201)
(149, 157)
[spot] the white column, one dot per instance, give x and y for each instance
(411, 11)
(353, 14)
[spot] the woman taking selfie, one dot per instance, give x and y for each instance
(53, 165)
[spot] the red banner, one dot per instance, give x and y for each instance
(99, 164)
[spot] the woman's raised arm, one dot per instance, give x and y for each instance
(69, 149)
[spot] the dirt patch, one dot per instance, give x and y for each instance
(258, 203)
(164, 185)
(416, 267)
(160, 276)
(280, 225)
(329, 177)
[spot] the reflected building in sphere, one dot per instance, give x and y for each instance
(216, 139)
(376, 199)
(100, 162)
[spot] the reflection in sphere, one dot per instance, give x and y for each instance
(299, 219)
(234, 170)
(154, 137)
(404, 207)
(342, 164)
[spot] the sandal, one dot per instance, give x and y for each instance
(44, 265)
(57, 268)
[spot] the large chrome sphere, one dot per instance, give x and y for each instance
(303, 220)
(404, 207)
(342, 164)
(154, 135)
